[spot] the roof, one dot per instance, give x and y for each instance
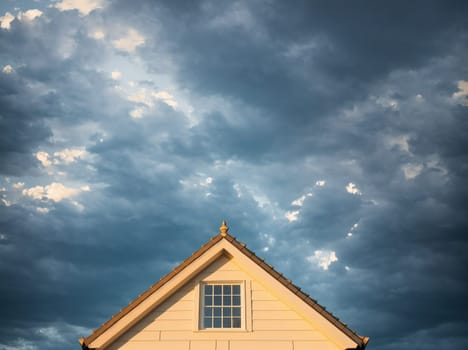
(242, 247)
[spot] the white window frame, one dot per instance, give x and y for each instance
(245, 296)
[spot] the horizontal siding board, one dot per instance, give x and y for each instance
(261, 345)
(257, 335)
(175, 325)
(203, 345)
(279, 325)
(275, 315)
(262, 295)
(315, 345)
(268, 305)
(174, 315)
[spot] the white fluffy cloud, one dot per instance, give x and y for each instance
(300, 201)
(411, 170)
(55, 192)
(292, 215)
(323, 258)
(147, 98)
(137, 113)
(42, 210)
(5, 20)
(165, 97)
(130, 41)
(7, 69)
(116, 75)
(353, 189)
(97, 34)
(84, 6)
(69, 155)
(18, 185)
(320, 183)
(29, 15)
(43, 157)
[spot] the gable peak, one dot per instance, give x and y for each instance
(223, 229)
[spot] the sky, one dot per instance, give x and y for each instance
(331, 135)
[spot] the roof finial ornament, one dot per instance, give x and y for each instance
(223, 229)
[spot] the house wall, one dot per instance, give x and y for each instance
(272, 323)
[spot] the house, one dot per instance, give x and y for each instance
(223, 297)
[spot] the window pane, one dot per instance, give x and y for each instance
(208, 289)
(208, 311)
(217, 289)
(207, 322)
(226, 312)
(236, 289)
(226, 322)
(236, 322)
(208, 300)
(227, 289)
(227, 300)
(217, 300)
(217, 311)
(217, 322)
(236, 311)
(236, 300)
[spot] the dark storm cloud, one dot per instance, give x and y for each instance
(49, 81)
(283, 96)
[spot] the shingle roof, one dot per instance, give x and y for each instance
(242, 247)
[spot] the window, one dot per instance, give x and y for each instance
(221, 305)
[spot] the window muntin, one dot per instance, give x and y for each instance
(222, 306)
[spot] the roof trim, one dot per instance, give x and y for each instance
(242, 247)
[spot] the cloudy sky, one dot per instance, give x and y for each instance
(332, 136)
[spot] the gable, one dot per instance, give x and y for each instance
(277, 314)
(273, 323)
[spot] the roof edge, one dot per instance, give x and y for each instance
(116, 317)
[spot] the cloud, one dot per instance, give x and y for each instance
(42, 210)
(400, 141)
(8, 69)
(18, 185)
(412, 170)
(55, 192)
(97, 34)
(116, 75)
(83, 6)
(69, 155)
(309, 95)
(43, 157)
(299, 202)
(353, 189)
(137, 112)
(30, 15)
(19, 344)
(5, 20)
(65, 156)
(323, 258)
(165, 97)
(292, 215)
(130, 41)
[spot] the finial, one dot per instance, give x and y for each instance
(223, 229)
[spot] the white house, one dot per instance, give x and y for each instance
(223, 297)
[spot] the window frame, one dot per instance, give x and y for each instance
(244, 305)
